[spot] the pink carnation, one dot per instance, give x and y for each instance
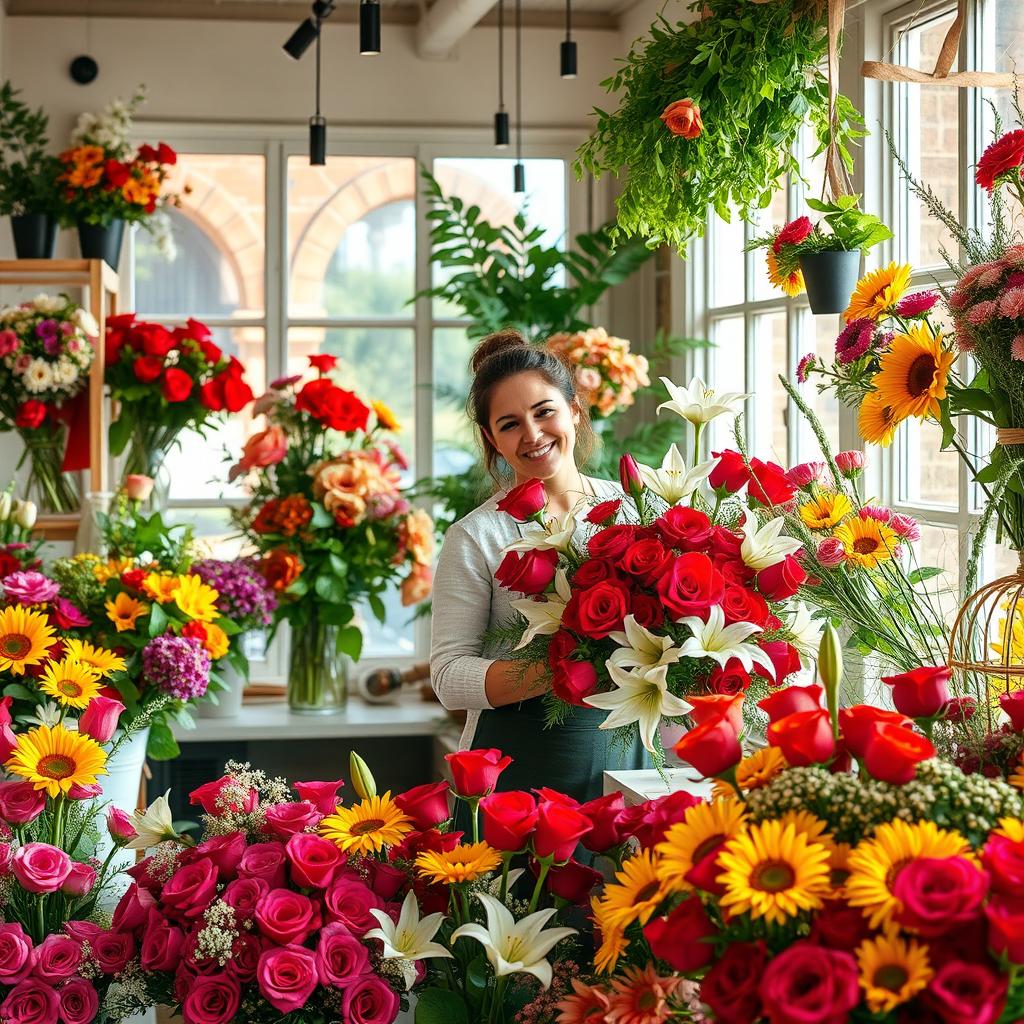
(806, 473)
(854, 340)
(915, 305)
(879, 513)
(905, 526)
(1011, 304)
(30, 588)
(850, 463)
(981, 312)
(1016, 279)
(804, 367)
(1017, 348)
(992, 276)
(831, 552)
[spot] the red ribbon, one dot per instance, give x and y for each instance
(74, 414)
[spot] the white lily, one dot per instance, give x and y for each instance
(714, 639)
(154, 825)
(764, 546)
(556, 533)
(48, 714)
(515, 947)
(543, 617)
(410, 939)
(700, 404)
(806, 631)
(641, 696)
(640, 648)
(674, 481)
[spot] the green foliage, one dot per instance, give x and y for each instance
(27, 175)
(755, 70)
(851, 228)
(129, 533)
(502, 277)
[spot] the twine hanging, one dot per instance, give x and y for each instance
(836, 176)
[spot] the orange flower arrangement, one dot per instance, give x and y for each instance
(281, 568)
(285, 516)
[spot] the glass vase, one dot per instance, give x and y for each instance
(53, 490)
(317, 672)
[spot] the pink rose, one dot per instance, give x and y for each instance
(266, 861)
(80, 880)
(225, 852)
(40, 867)
(20, 802)
(213, 999)
(322, 795)
(385, 879)
(120, 826)
(133, 909)
(138, 486)
(31, 1002)
(190, 890)
(286, 977)
(349, 901)
(79, 1002)
(369, 1000)
(112, 950)
(850, 464)
(161, 944)
(314, 860)
(287, 916)
(266, 448)
(100, 717)
(57, 957)
(340, 956)
(17, 957)
(89, 792)
(207, 796)
(284, 820)
(6, 858)
(243, 894)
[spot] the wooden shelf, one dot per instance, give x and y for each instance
(59, 527)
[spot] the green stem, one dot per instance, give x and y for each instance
(506, 860)
(545, 866)
(59, 817)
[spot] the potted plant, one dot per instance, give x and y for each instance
(823, 258)
(28, 193)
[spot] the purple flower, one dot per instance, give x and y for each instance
(177, 665)
(244, 595)
(30, 588)
(918, 304)
(46, 329)
(285, 382)
(804, 367)
(854, 340)
(51, 346)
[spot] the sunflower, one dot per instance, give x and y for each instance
(385, 417)
(464, 863)
(99, 658)
(124, 611)
(912, 374)
(636, 892)
(839, 864)
(1011, 828)
(892, 971)
(773, 871)
(57, 759)
(867, 541)
(875, 863)
(877, 292)
(198, 600)
(368, 826)
(70, 682)
(791, 283)
(825, 510)
(613, 939)
(25, 638)
(809, 825)
(704, 828)
(877, 422)
(160, 587)
(753, 772)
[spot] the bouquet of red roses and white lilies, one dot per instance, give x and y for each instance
(662, 605)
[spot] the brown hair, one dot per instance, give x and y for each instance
(503, 355)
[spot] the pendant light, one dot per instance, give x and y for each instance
(317, 123)
(519, 171)
(568, 47)
(369, 27)
(501, 132)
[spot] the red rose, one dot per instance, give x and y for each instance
(177, 384)
(323, 362)
(1013, 705)
(243, 894)
(805, 738)
(558, 830)
(166, 155)
(162, 944)
(560, 648)
(709, 707)
(808, 984)
(79, 1002)
(856, 723)
(212, 999)
(30, 414)
(962, 992)
(840, 926)
(742, 605)
(431, 841)
(688, 529)
(768, 484)
(893, 753)
(730, 987)
(650, 820)
(154, 339)
(605, 829)
(781, 580)
(629, 476)
(571, 881)
(508, 819)
(340, 956)
(647, 610)
(711, 747)
(682, 938)
(527, 572)
(785, 659)
(112, 950)
(31, 1001)
(1006, 928)
(960, 710)
(225, 852)
(16, 954)
(427, 805)
(57, 956)
(1002, 157)
(322, 795)
(475, 772)
(284, 820)
(939, 894)
(598, 610)
(1004, 860)
(646, 559)
(208, 796)
(211, 353)
(790, 701)
(265, 861)
(314, 860)
(603, 513)
(190, 890)
(235, 394)
(594, 570)
(792, 234)
(524, 501)
(682, 118)
(332, 406)
(286, 916)
(349, 901)
(612, 541)
(148, 368)
(922, 693)
(571, 681)
(690, 585)
(733, 678)
(368, 999)
(731, 474)
(385, 879)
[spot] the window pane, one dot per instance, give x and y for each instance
(728, 374)
(219, 234)
(939, 546)
(351, 237)
(727, 260)
(1004, 51)
(454, 444)
(926, 475)
(770, 401)
(818, 335)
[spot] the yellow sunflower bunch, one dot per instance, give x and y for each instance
(865, 541)
(368, 826)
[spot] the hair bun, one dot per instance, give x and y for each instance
(500, 341)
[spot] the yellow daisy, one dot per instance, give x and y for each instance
(25, 638)
(112, 568)
(217, 643)
(198, 600)
(867, 541)
(875, 863)
(613, 940)
(56, 759)
(876, 421)
(825, 510)
(773, 871)
(385, 417)
(160, 587)
(70, 682)
(753, 772)
(791, 283)
(892, 971)
(464, 863)
(1011, 828)
(912, 374)
(878, 291)
(368, 826)
(124, 611)
(99, 658)
(636, 892)
(703, 828)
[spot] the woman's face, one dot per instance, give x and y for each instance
(532, 426)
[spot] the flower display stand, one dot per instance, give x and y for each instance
(99, 286)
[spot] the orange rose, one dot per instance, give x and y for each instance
(416, 535)
(280, 568)
(266, 448)
(683, 118)
(347, 508)
(417, 585)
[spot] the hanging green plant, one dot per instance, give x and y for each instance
(710, 114)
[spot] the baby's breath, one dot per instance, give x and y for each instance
(216, 939)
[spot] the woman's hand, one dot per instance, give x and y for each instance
(509, 682)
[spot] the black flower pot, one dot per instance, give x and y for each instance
(830, 278)
(101, 241)
(35, 236)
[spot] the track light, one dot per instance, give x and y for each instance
(369, 27)
(302, 38)
(567, 51)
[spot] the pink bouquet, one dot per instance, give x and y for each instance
(607, 373)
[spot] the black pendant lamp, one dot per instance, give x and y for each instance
(317, 123)
(369, 28)
(519, 171)
(567, 51)
(501, 128)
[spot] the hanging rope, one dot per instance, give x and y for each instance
(836, 177)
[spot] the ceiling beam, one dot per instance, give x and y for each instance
(445, 23)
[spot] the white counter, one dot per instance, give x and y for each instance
(638, 786)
